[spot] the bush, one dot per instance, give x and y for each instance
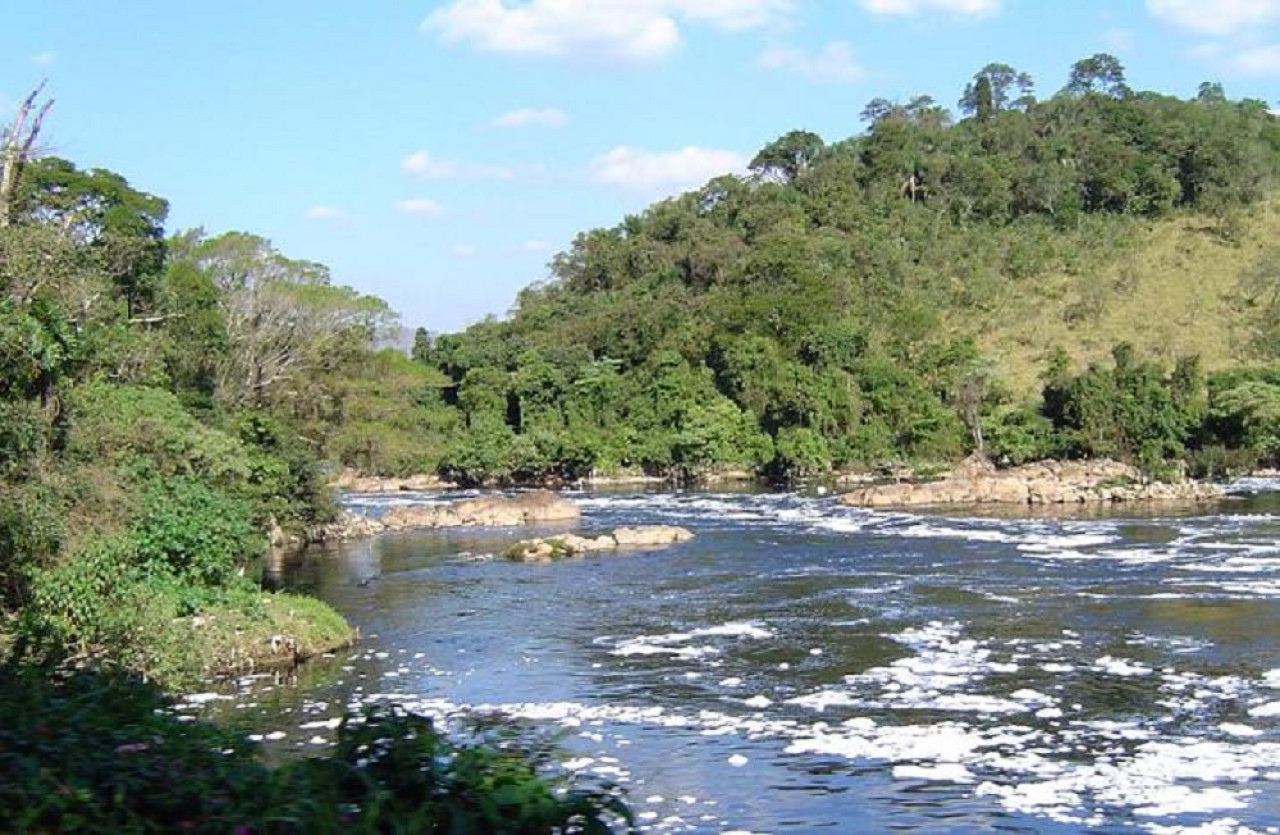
(801, 452)
(194, 533)
(99, 751)
(149, 430)
(1020, 436)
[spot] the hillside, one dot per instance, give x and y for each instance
(904, 294)
(1174, 293)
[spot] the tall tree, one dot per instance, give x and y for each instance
(789, 156)
(997, 87)
(1102, 74)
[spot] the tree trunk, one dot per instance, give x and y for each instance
(17, 151)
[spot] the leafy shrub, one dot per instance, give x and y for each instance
(99, 751)
(801, 452)
(1019, 436)
(194, 533)
(150, 430)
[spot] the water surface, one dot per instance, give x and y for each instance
(804, 667)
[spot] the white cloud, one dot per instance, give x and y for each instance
(465, 251)
(1215, 17)
(1262, 60)
(916, 7)
(834, 63)
(535, 246)
(420, 206)
(1253, 60)
(422, 164)
(636, 168)
(323, 212)
(44, 59)
(626, 30)
(527, 117)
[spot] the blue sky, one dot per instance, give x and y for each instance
(439, 153)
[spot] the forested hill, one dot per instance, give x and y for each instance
(898, 295)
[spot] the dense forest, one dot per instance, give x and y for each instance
(826, 311)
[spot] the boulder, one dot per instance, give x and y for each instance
(977, 481)
(351, 481)
(486, 511)
(554, 548)
(651, 535)
(348, 526)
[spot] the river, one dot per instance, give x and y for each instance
(802, 666)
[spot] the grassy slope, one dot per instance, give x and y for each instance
(1168, 295)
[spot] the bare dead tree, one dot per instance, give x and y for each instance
(16, 150)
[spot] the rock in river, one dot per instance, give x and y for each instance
(560, 547)
(977, 481)
(486, 511)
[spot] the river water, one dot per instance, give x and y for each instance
(802, 666)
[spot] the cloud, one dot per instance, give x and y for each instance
(323, 212)
(1253, 60)
(465, 251)
(535, 246)
(911, 8)
(835, 63)
(527, 117)
(1262, 60)
(621, 30)
(420, 206)
(641, 170)
(44, 59)
(422, 164)
(1215, 17)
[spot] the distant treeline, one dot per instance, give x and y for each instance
(792, 320)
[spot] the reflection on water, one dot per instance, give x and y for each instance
(804, 666)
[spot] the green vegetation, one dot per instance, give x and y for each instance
(163, 403)
(100, 752)
(897, 296)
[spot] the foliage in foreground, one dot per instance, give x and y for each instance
(94, 751)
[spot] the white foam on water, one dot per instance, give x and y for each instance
(1122, 667)
(674, 643)
(942, 665)
(945, 772)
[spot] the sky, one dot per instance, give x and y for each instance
(438, 154)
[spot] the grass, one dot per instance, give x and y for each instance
(275, 630)
(1168, 291)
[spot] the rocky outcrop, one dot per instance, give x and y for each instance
(486, 511)
(554, 548)
(348, 526)
(977, 481)
(351, 481)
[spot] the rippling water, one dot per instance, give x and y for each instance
(802, 666)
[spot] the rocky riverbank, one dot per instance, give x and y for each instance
(353, 482)
(487, 511)
(977, 481)
(554, 548)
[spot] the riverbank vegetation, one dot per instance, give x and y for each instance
(158, 398)
(165, 404)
